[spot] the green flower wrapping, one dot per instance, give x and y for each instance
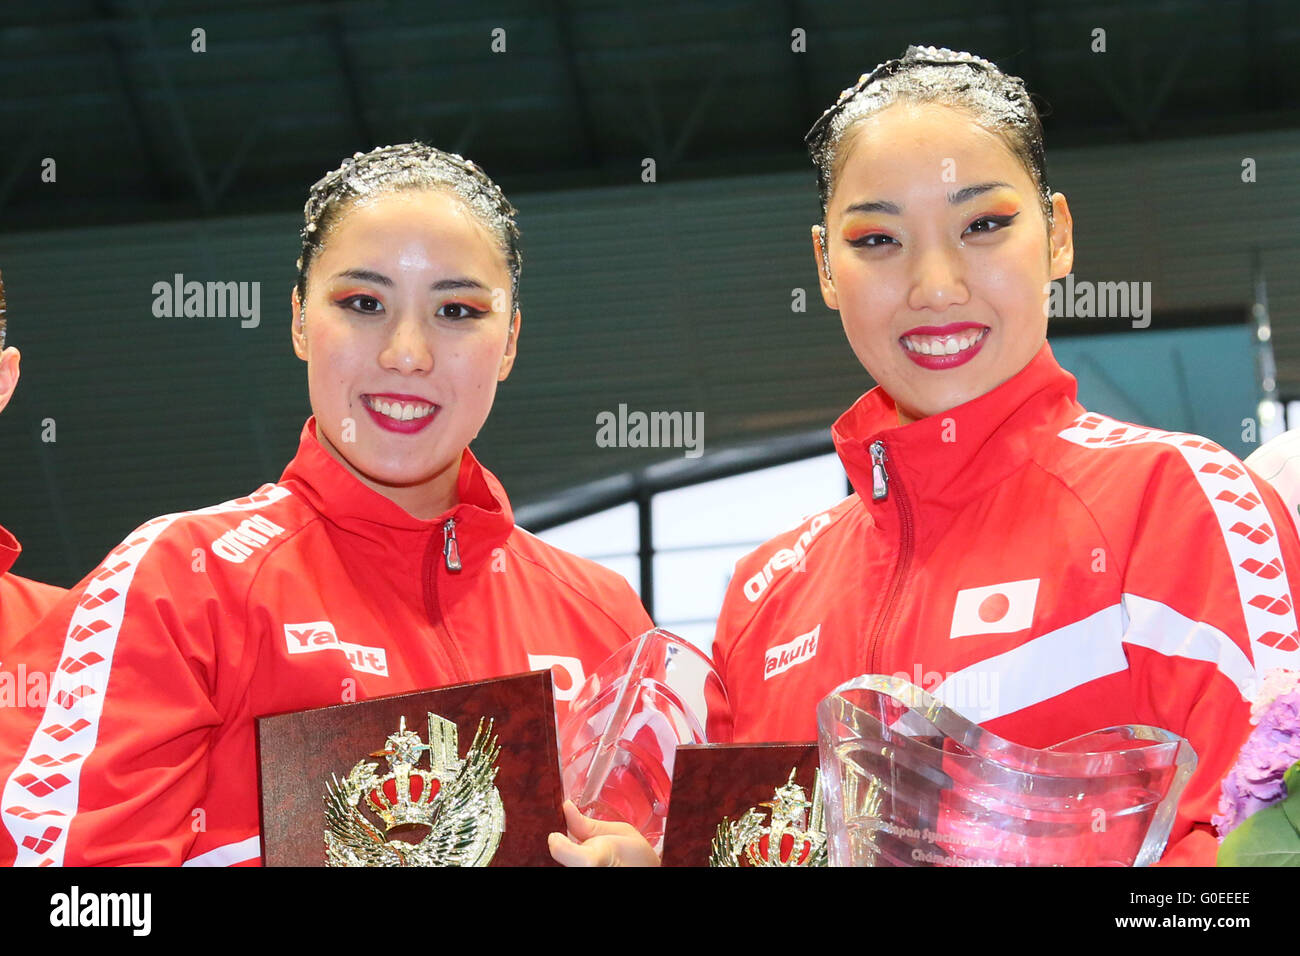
(1268, 837)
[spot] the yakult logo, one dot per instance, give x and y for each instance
(238, 543)
(320, 636)
(784, 656)
(785, 558)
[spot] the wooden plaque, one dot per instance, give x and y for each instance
(298, 753)
(712, 781)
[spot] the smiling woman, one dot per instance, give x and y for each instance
(961, 249)
(384, 560)
(410, 260)
(1081, 571)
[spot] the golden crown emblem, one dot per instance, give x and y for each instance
(454, 799)
(795, 834)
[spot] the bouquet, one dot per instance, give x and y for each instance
(1259, 805)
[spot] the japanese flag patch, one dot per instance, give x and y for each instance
(995, 609)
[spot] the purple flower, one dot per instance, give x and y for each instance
(1256, 781)
(1276, 683)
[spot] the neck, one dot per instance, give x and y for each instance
(423, 500)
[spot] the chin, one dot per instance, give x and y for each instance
(935, 405)
(399, 472)
(399, 477)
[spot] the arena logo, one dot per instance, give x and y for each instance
(208, 300)
(785, 558)
(638, 429)
(237, 544)
(1068, 299)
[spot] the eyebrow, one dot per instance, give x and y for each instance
(365, 275)
(876, 206)
(965, 194)
(378, 278)
(460, 282)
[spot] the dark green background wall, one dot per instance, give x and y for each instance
(664, 296)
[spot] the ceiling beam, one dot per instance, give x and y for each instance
(131, 99)
(588, 140)
(799, 72)
(175, 109)
(351, 84)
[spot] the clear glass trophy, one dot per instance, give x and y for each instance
(618, 743)
(908, 781)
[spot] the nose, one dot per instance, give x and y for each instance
(939, 279)
(408, 347)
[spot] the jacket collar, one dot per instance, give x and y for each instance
(9, 550)
(955, 456)
(483, 515)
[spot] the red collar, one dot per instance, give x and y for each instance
(955, 456)
(9, 550)
(483, 515)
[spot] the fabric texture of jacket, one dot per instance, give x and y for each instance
(312, 591)
(22, 602)
(1045, 570)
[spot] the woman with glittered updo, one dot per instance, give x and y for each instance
(386, 549)
(1086, 572)
(1082, 572)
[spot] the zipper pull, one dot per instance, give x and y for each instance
(879, 477)
(450, 550)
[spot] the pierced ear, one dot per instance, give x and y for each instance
(512, 340)
(512, 347)
(1061, 238)
(821, 257)
(297, 331)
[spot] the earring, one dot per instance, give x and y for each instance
(826, 255)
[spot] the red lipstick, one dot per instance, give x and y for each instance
(373, 403)
(937, 339)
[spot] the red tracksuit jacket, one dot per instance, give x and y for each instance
(312, 591)
(22, 603)
(1049, 570)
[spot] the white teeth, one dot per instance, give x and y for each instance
(400, 411)
(943, 345)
